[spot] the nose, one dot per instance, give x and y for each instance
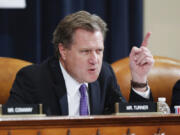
(93, 59)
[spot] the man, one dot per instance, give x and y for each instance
(175, 96)
(78, 41)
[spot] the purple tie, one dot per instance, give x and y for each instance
(83, 100)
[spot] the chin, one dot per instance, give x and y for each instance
(92, 79)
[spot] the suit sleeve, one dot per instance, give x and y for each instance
(22, 89)
(134, 97)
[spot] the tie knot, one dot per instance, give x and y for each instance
(82, 89)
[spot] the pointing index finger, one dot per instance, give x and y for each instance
(145, 41)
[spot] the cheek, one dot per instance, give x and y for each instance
(100, 58)
(79, 63)
(82, 63)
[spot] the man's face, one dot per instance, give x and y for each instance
(83, 60)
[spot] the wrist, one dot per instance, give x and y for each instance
(136, 85)
(139, 79)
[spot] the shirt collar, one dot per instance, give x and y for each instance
(72, 85)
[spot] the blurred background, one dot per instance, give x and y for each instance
(162, 18)
(26, 28)
(26, 33)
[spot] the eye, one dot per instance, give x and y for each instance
(85, 51)
(98, 51)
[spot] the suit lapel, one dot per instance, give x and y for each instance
(94, 96)
(61, 93)
(59, 86)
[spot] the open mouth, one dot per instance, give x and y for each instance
(92, 69)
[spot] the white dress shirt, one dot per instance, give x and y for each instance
(73, 93)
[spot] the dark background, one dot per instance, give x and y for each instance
(27, 33)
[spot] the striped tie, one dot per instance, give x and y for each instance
(83, 100)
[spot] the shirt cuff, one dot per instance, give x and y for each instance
(145, 94)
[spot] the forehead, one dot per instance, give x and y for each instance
(88, 38)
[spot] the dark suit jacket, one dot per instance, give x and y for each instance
(44, 83)
(175, 95)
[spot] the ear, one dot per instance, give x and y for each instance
(62, 51)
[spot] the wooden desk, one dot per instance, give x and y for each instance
(92, 125)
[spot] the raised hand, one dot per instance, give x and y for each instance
(141, 61)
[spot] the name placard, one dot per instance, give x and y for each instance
(20, 109)
(138, 107)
